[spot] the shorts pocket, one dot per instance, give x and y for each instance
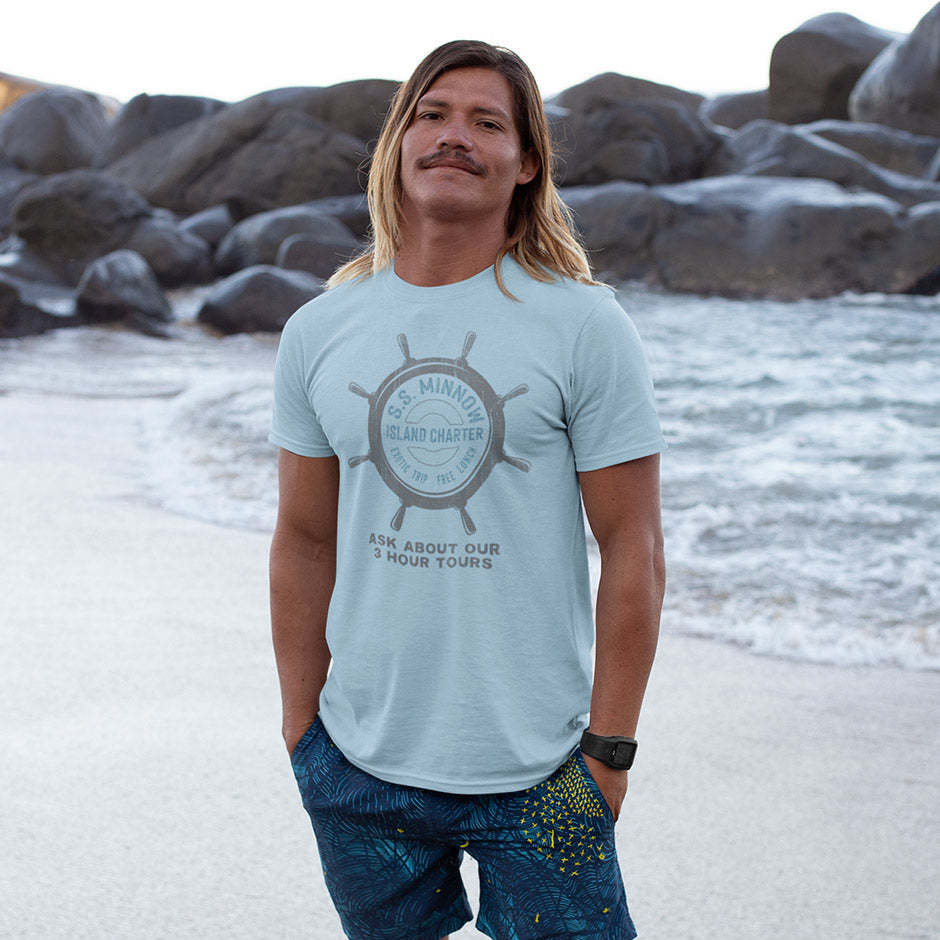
(591, 784)
(305, 741)
(567, 820)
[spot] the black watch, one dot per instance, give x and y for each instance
(617, 753)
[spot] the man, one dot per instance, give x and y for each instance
(442, 411)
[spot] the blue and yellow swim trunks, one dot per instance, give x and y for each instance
(391, 854)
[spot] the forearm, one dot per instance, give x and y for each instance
(302, 578)
(629, 603)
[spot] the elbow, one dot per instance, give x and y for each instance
(293, 543)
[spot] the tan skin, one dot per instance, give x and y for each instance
(454, 211)
(461, 161)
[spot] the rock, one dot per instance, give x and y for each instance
(641, 141)
(211, 225)
(257, 240)
(352, 211)
(19, 261)
(258, 299)
(788, 239)
(147, 116)
(814, 68)
(53, 130)
(12, 182)
(356, 108)
(933, 171)
(736, 110)
(613, 88)
(759, 237)
(257, 152)
(887, 147)
(315, 256)
(21, 317)
(71, 218)
(901, 88)
(14, 87)
(122, 287)
(617, 222)
(176, 255)
(918, 248)
(765, 148)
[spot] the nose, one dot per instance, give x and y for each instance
(454, 135)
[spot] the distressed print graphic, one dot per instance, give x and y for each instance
(436, 430)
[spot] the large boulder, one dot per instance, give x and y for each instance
(176, 255)
(642, 141)
(933, 171)
(814, 68)
(19, 316)
(735, 110)
(71, 218)
(352, 211)
(19, 262)
(258, 299)
(617, 222)
(53, 130)
(14, 87)
(211, 225)
(13, 181)
(122, 287)
(766, 148)
(612, 88)
(887, 147)
(758, 237)
(357, 108)
(257, 240)
(261, 153)
(146, 116)
(790, 238)
(314, 255)
(901, 88)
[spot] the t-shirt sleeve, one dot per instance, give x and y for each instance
(295, 425)
(611, 411)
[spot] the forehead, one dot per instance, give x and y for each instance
(478, 88)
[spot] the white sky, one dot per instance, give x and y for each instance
(235, 49)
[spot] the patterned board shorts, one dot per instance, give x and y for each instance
(391, 854)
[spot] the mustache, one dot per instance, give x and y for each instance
(449, 156)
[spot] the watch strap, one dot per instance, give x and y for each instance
(616, 752)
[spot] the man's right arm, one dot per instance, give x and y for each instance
(303, 572)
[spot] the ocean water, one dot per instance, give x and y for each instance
(801, 488)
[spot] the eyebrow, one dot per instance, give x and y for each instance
(427, 102)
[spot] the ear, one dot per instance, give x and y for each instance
(528, 168)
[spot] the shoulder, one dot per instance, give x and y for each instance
(572, 303)
(555, 287)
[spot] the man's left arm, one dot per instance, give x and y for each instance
(623, 509)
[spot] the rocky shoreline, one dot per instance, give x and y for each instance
(826, 182)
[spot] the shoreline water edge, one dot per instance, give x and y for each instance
(800, 493)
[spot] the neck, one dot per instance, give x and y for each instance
(433, 254)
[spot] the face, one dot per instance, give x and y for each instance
(461, 158)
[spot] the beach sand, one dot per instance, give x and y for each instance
(147, 794)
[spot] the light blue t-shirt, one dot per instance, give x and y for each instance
(461, 621)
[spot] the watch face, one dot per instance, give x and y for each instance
(624, 752)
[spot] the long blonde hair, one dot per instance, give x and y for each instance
(539, 231)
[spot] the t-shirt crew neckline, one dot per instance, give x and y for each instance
(413, 292)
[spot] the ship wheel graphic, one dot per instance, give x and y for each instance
(436, 430)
